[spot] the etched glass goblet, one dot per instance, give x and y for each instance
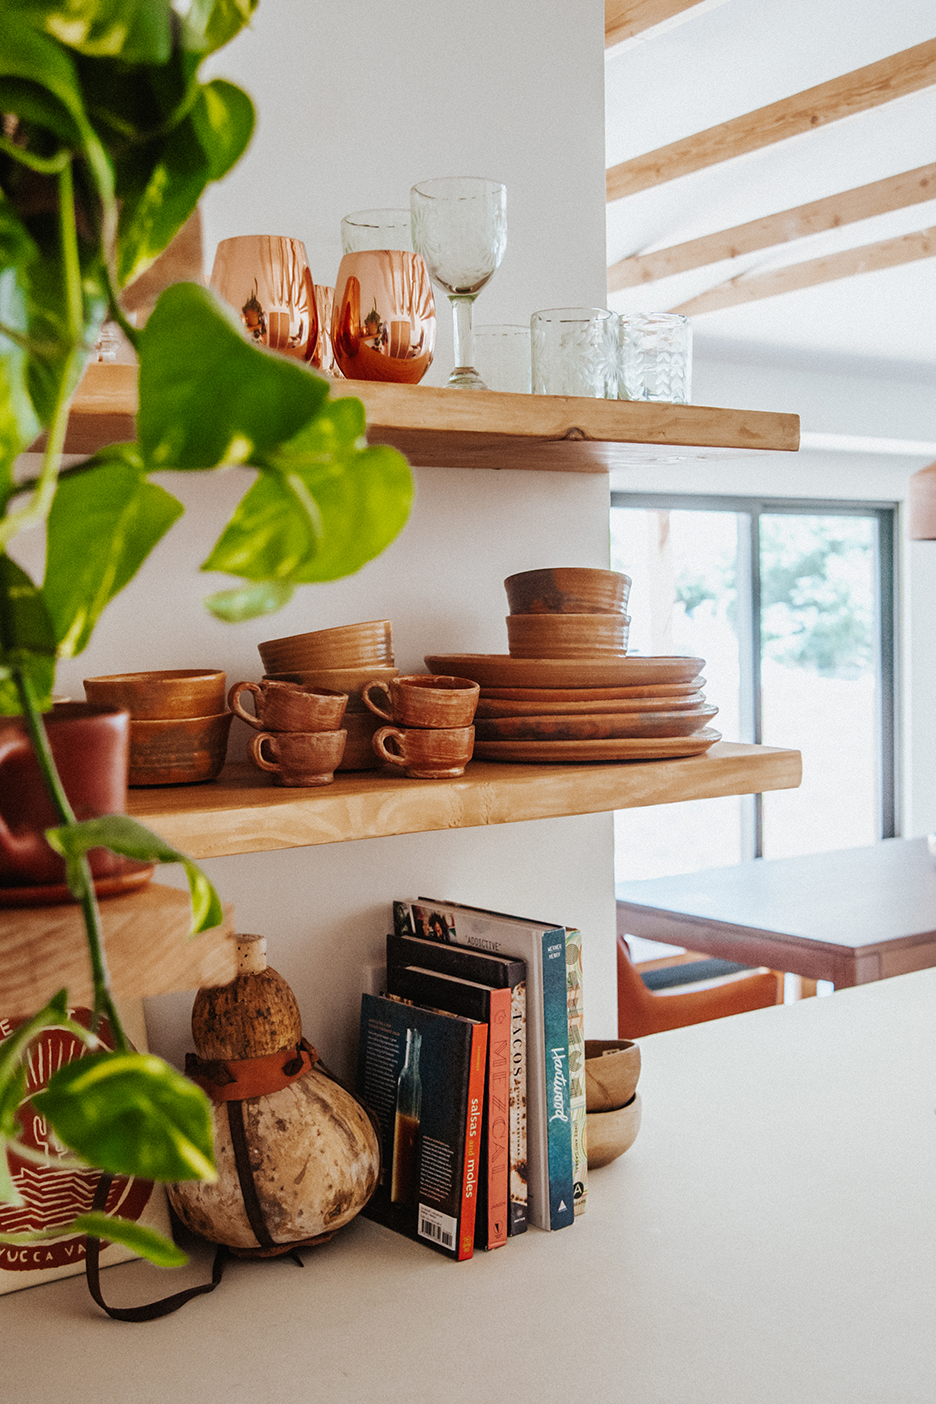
(460, 229)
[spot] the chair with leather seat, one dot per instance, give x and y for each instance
(641, 1011)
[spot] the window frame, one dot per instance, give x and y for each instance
(887, 604)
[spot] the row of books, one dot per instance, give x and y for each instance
(473, 1063)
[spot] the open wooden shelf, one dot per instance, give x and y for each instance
(241, 812)
(480, 429)
(148, 953)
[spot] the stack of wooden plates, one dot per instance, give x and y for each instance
(578, 709)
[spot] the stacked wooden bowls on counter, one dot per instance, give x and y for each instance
(568, 691)
(179, 722)
(342, 659)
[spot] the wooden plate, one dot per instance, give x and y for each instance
(592, 694)
(133, 876)
(498, 708)
(593, 728)
(500, 670)
(573, 752)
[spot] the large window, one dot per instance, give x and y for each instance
(791, 604)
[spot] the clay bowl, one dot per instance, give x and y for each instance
(597, 727)
(496, 707)
(346, 646)
(611, 1133)
(567, 635)
(174, 692)
(178, 750)
(612, 1069)
(349, 680)
(568, 590)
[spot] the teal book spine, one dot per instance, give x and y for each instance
(558, 1099)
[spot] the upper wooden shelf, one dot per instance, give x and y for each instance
(479, 429)
(241, 812)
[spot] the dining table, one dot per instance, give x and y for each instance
(769, 1238)
(850, 915)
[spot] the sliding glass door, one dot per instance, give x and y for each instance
(791, 605)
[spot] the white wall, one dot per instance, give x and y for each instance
(859, 398)
(358, 101)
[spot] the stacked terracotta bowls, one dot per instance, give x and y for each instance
(342, 659)
(179, 723)
(568, 690)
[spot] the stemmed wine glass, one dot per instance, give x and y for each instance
(460, 229)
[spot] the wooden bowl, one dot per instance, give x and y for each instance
(349, 680)
(568, 590)
(611, 1133)
(498, 707)
(612, 1068)
(178, 750)
(346, 646)
(172, 692)
(567, 635)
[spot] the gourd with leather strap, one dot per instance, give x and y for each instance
(297, 1155)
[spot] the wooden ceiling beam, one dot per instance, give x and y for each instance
(892, 77)
(869, 258)
(896, 192)
(625, 18)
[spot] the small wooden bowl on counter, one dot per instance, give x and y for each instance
(154, 696)
(178, 750)
(568, 590)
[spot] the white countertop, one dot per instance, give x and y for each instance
(769, 1239)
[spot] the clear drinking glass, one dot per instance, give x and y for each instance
(376, 229)
(324, 358)
(460, 228)
(574, 352)
(655, 356)
(502, 358)
(383, 317)
(266, 279)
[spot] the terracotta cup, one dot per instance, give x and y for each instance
(285, 706)
(427, 700)
(171, 692)
(90, 747)
(299, 758)
(426, 753)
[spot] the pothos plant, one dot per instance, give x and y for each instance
(109, 139)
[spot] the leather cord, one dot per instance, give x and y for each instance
(150, 1311)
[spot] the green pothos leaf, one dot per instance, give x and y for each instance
(27, 639)
(105, 520)
(121, 834)
(131, 1114)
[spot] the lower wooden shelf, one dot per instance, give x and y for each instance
(147, 945)
(241, 812)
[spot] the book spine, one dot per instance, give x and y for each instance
(518, 1183)
(497, 1119)
(557, 1110)
(576, 1015)
(475, 1120)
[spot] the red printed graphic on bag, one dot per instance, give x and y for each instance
(55, 1195)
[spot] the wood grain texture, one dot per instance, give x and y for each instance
(625, 18)
(849, 263)
(864, 88)
(241, 813)
(863, 202)
(146, 944)
(848, 916)
(446, 428)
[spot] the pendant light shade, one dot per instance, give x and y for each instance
(921, 502)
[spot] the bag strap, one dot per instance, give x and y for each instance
(150, 1311)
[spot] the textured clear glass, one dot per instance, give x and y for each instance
(502, 358)
(655, 356)
(460, 229)
(574, 352)
(376, 229)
